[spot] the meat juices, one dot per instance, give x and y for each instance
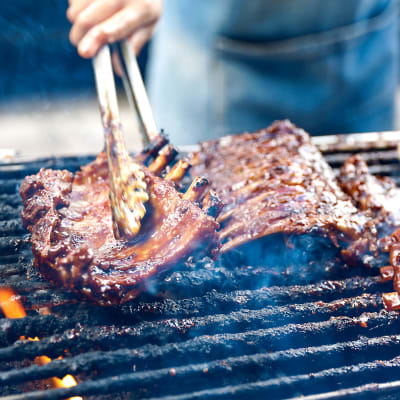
(73, 243)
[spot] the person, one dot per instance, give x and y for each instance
(229, 66)
(97, 22)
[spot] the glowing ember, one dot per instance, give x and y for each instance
(9, 303)
(12, 308)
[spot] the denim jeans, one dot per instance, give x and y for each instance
(229, 66)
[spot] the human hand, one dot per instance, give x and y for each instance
(97, 22)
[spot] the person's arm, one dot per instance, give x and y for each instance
(96, 22)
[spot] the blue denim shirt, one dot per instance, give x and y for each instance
(227, 66)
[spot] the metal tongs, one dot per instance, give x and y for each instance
(128, 189)
(136, 91)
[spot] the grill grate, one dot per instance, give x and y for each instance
(214, 332)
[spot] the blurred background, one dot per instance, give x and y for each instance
(48, 102)
(47, 92)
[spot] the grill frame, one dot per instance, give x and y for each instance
(222, 320)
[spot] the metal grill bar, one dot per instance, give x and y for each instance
(317, 357)
(10, 213)
(12, 225)
(38, 293)
(298, 335)
(21, 168)
(368, 391)
(194, 283)
(13, 244)
(373, 371)
(189, 283)
(9, 186)
(195, 375)
(386, 156)
(264, 317)
(214, 302)
(166, 329)
(242, 325)
(12, 200)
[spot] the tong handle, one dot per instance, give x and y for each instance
(105, 84)
(136, 92)
(128, 190)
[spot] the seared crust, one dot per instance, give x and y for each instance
(377, 195)
(72, 237)
(275, 181)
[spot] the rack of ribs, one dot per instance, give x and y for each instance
(277, 187)
(379, 197)
(69, 217)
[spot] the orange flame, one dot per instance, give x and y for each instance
(10, 304)
(12, 308)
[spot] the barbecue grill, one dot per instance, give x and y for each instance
(212, 331)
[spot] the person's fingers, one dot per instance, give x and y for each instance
(91, 42)
(117, 64)
(141, 37)
(75, 7)
(129, 20)
(137, 41)
(122, 24)
(94, 14)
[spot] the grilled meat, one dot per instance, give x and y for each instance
(275, 184)
(378, 196)
(73, 243)
(392, 272)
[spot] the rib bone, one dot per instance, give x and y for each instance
(212, 205)
(178, 171)
(197, 189)
(164, 157)
(152, 149)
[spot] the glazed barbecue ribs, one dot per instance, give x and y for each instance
(282, 206)
(73, 243)
(379, 197)
(276, 186)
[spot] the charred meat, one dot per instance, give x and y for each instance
(275, 183)
(378, 196)
(392, 272)
(73, 242)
